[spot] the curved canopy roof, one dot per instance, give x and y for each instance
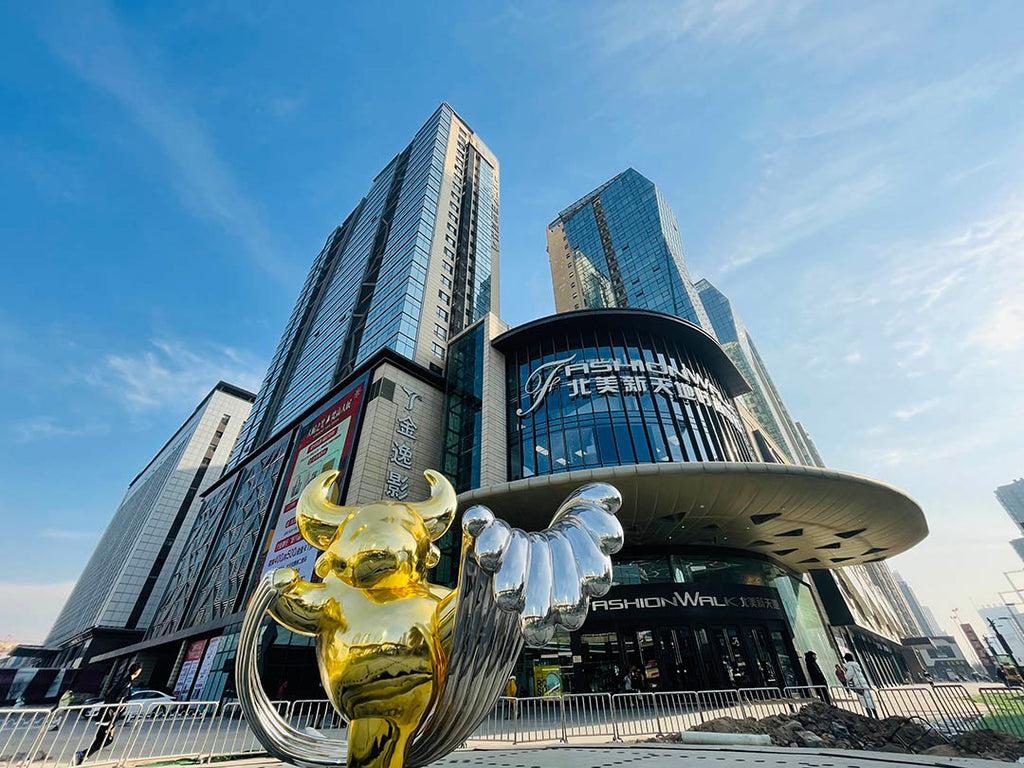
(692, 336)
(803, 517)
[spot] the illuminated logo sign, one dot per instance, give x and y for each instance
(685, 600)
(588, 378)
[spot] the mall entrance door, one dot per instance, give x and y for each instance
(688, 658)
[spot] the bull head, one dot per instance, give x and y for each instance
(382, 544)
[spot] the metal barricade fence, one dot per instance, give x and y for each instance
(677, 710)
(500, 723)
(844, 698)
(1005, 709)
(955, 698)
(921, 702)
(102, 733)
(636, 714)
(725, 702)
(317, 714)
(540, 718)
(763, 702)
(589, 714)
(18, 731)
(178, 729)
(799, 695)
(230, 733)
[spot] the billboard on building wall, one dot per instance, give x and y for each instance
(326, 441)
(188, 669)
(199, 688)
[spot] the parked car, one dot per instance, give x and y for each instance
(153, 703)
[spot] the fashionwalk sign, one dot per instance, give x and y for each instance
(606, 377)
(682, 601)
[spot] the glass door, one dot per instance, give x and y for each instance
(641, 660)
(680, 665)
(733, 661)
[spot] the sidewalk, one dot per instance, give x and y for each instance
(671, 755)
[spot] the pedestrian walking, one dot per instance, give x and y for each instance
(817, 677)
(109, 715)
(857, 682)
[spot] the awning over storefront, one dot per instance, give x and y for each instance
(804, 517)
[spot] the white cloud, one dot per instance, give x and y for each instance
(103, 52)
(903, 414)
(1002, 330)
(47, 427)
(27, 611)
(853, 357)
(173, 373)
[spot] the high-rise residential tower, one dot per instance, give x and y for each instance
(924, 617)
(763, 400)
(414, 263)
(116, 597)
(619, 246)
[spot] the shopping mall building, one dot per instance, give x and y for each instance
(710, 589)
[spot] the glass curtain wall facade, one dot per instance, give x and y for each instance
(619, 246)
(763, 400)
(608, 418)
(415, 262)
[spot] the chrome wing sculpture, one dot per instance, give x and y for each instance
(412, 666)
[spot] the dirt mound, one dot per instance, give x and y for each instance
(818, 725)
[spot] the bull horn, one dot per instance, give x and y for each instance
(317, 517)
(439, 510)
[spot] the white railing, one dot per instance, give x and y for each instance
(136, 734)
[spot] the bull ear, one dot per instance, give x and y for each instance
(317, 517)
(439, 510)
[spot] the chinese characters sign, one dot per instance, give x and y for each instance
(589, 378)
(396, 479)
(325, 443)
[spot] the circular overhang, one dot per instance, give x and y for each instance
(803, 517)
(691, 335)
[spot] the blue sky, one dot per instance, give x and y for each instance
(850, 174)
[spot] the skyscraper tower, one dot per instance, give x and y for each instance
(763, 400)
(412, 265)
(1011, 496)
(619, 246)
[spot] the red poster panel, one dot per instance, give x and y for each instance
(325, 442)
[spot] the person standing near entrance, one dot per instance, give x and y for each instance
(110, 715)
(857, 682)
(817, 677)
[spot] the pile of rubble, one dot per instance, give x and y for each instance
(818, 725)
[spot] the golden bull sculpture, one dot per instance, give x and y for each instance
(415, 667)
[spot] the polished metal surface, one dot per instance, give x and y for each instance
(412, 666)
(803, 517)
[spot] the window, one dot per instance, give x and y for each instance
(438, 350)
(452, 229)
(453, 217)
(447, 267)
(442, 313)
(444, 297)
(450, 240)
(440, 332)
(446, 282)
(449, 253)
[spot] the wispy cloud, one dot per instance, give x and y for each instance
(49, 427)
(903, 414)
(174, 373)
(65, 534)
(104, 53)
(853, 357)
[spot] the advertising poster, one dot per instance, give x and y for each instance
(188, 669)
(547, 680)
(325, 442)
(199, 689)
